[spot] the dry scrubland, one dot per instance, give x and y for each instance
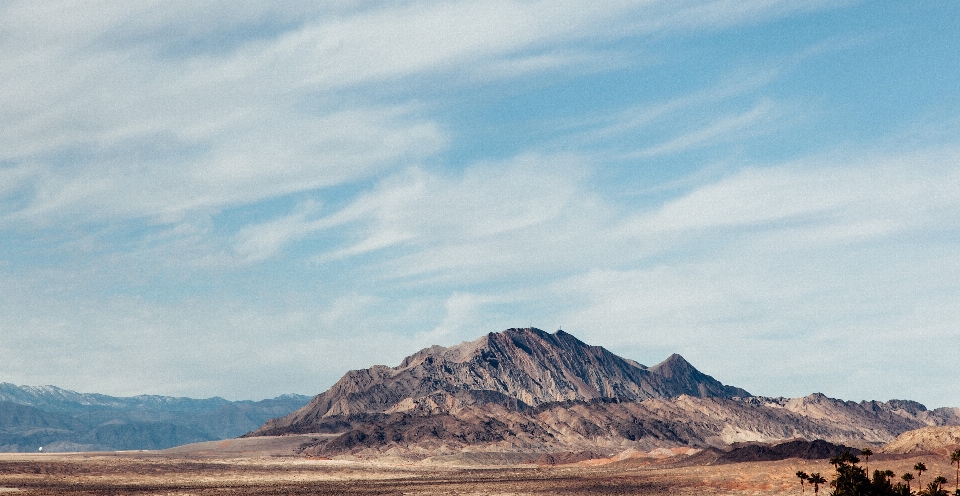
(233, 468)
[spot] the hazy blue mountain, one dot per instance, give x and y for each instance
(62, 420)
(52, 398)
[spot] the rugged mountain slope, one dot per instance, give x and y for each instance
(62, 420)
(517, 368)
(603, 425)
(924, 440)
(24, 425)
(524, 390)
(876, 421)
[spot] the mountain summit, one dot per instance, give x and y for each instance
(684, 378)
(516, 368)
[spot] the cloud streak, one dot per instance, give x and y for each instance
(152, 131)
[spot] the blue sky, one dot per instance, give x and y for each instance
(249, 199)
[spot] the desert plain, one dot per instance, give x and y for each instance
(271, 466)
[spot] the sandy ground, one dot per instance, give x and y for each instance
(269, 467)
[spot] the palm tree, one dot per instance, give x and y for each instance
(919, 467)
(935, 488)
(907, 477)
(803, 478)
(866, 452)
(955, 460)
(816, 479)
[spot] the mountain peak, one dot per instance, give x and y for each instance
(685, 377)
(674, 364)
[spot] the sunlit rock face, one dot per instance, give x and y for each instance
(516, 368)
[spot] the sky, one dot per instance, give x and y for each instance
(245, 199)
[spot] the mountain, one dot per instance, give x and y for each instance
(62, 420)
(525, 390)
(52, 398)
(517, 368)
(942, 439)
(608, 425)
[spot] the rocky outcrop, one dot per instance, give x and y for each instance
(742, 453)
(798, 448)
(516, 368)
(925, 440)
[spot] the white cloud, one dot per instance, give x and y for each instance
(498, 243)
(496, 220)
(835, 258)
(448, 217)
(463, 318)
(242, 164)
(869, 195)
(725, 128)
(155, 118)
(261, 241)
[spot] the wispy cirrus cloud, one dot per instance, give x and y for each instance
(907, 189)
(421, 210)
(156, 116)
(769, 258)
(725, 128)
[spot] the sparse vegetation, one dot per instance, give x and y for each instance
(251, 473)
(851, 480)
(935, 487)
(920, 468)
(816, 479)
(907, 477)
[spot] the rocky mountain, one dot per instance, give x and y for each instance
(525, 390)
(942, 439)
(63, 420)
(516, 368)
(606, 425)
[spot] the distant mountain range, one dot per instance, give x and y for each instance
(60, 420)
(516, 391)
(529, 390)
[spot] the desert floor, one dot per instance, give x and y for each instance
(232, 468)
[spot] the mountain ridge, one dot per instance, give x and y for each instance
(59, 419)
(519, 390)
(528, 390)
(518, 368)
